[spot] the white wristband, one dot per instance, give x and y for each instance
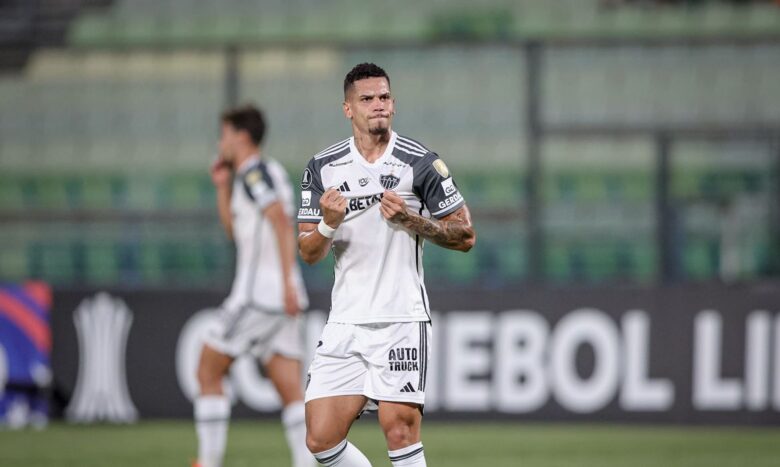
(326, 230)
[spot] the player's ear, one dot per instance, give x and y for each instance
(347, 110)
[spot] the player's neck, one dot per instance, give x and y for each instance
(244, 155)
(371, 147)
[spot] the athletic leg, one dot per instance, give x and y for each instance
(212, 407)
(401, 423)
(328, 421)
(285, 374)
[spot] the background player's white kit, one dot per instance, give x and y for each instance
(258, 280)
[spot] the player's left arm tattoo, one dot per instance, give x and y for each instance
(453, 231)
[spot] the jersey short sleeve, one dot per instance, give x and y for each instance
(311, 191)
(259, 186)
(433, 183)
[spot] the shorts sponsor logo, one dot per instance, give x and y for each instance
(403, 359)
(448, 186)
(306, 198)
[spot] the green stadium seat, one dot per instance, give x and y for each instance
(13, 263)
(91, 29)
(645, 261)
(512, 260)
(341, 20)
(503, 189)
(139, 30)
(183, 192)
(684, 184)
(11, 193)
(101, 263)
(461, 268)
(151, 262)
(557, 265)
(188, 265)
(700, 259)
(597, 262)
(54, 262)
(50, 193)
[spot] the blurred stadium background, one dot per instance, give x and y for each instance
(610, 151)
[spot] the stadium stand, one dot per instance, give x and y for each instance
(111, 136)
(209, 22)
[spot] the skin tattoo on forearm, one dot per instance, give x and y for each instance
(454, 231)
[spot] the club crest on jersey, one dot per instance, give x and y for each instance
(306, 179)
(389, 181)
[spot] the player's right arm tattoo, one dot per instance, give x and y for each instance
(453, 231)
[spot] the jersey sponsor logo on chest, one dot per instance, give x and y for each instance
(362, 202)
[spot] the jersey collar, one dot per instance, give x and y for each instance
(382, 158)
(250, 162)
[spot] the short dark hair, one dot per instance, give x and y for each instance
(247, 118)
(363, 71)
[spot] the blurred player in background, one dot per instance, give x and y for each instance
(373, 199)
(261, 315)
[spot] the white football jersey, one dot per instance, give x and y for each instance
(379, 265)
(258, 282)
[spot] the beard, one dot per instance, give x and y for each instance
(378, 130)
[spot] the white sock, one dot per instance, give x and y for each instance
(410, 456)
(345, 454)
(294, 421)
(212, 414)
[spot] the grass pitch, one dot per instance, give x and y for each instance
(450, 444)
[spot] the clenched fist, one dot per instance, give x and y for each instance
(334, 207)
(393, 207)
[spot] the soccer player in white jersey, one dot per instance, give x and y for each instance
(260, 317)
(373, 199)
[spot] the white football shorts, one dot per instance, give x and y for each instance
(259, 333)
(382, 361)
